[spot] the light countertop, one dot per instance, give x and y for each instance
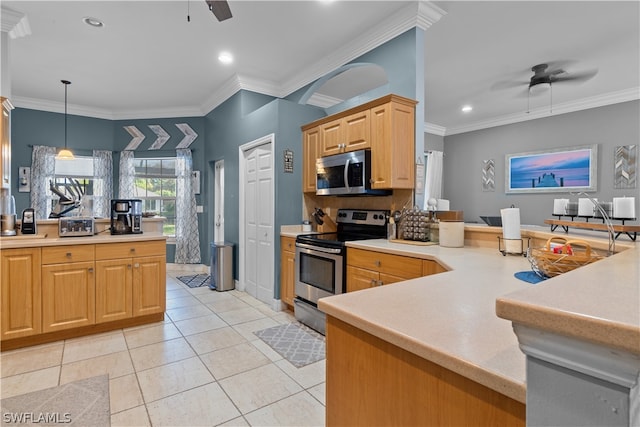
(450, 318)
(42, 240)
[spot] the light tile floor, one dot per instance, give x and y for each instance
(201, 366)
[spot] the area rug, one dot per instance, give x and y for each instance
(196, 280)
(296, 343)
(80, 403)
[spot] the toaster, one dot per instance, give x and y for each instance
(76, 226)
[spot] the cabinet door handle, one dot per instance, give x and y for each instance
(136, 265)
(68, 254)
(378, 263)
(129, 266)
(90, 269)
(380, 283)
(373, 282)
(132, 250)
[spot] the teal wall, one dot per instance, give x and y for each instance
(243, 118)
(34, 127)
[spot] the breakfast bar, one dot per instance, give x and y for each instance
(431, 343)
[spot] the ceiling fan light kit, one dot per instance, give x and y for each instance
(220, 9)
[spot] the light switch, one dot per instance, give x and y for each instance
(24, 179)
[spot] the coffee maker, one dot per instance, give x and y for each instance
(126, 216)
(7, 215)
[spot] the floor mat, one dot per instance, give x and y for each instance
(79, 403)
(298, 344)
(195, 280)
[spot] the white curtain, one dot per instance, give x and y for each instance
(187, 235)
(102, 183)
(43, 169)
(433, 177)
(127, 178)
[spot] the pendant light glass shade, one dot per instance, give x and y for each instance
(65, 153)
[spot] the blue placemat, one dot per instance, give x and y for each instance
(530, 277)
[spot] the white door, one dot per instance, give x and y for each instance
(256, 215)
(218, 208)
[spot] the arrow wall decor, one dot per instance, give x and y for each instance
(137, 137)
(162, 137)
(189, 135)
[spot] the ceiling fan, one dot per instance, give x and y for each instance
(220, 9)
(547, 74)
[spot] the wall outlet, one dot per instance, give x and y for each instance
(199, 209)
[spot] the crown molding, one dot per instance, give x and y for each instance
(15, 23)
(428, 14)
(538, 113)
(323, 101)
(434, 129)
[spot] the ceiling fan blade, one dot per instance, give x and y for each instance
(220, 9)
(576, 77)
(508, 84)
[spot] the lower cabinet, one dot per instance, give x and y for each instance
(68, 295)
(367, 269)
(21, 298)
(114, 293)
(64, 287)
(287, 269)
(130, 286)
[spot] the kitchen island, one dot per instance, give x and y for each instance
(57, 288)
(432, 350)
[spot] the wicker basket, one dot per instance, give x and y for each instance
(571, 254)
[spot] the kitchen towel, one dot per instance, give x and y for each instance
(511, 229)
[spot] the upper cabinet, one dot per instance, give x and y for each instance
(5, 144)
(349, 133)
(385, 125)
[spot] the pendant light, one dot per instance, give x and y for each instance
(65, 153)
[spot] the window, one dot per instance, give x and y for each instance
(156, 187)
(74, 179)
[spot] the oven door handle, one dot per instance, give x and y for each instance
(318, 249)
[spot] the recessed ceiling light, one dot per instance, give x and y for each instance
(225, 58)
(467, 108)
(94, 22)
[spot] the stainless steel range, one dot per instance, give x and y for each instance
(321, 261)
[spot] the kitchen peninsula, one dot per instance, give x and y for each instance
(57, 288)
(432, 351)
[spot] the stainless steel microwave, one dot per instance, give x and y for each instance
(346, 174)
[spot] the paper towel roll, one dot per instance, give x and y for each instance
(586, 207)
(624, 207)
(510, 223)
(560, 206)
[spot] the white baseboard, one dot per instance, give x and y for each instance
(189, 268)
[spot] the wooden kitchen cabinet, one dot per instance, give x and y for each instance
(349, 133)
(131, 280)
(385, 125)
(393, 145)
(430, 267)
(21, 293)
(310, 144)
(287, 269)
(68, 295)
(367, 269)
(114, 289)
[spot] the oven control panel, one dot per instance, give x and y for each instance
(368, 217)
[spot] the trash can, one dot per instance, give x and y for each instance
(221, 266)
